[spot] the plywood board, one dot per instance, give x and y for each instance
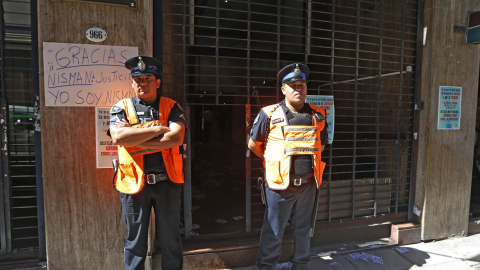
(83, 219)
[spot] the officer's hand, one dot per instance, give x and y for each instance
(163, 129)
(122, 123)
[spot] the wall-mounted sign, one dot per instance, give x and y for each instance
(126, 3)
(86, 74)
(96, 34)
(106, 150)
(449, 107)
(325, 102)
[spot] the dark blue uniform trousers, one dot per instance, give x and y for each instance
(281, 204)
(165, 198)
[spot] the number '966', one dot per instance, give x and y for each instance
(96, 34)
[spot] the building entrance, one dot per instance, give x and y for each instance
(221, 60)
(218, 169)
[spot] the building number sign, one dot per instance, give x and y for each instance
(96, 34)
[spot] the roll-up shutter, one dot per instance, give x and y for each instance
(228, 53)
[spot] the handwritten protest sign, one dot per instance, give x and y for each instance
(86, 75)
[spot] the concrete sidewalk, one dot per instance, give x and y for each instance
(449, 254)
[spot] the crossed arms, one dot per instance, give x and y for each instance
(154, 137)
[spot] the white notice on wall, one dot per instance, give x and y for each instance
(106, 151)
(327, 103)
(86, 75)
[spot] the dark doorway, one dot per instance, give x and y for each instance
(475, 195)
(218, 169)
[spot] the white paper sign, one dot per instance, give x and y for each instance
(449, 107)
(325, 102)
(106, 151)
(416, 210)
(85, 74)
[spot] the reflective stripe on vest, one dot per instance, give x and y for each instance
(301, 140)
(283, 141)
(130, 178)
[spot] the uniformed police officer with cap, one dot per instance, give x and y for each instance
(148, 130)
(289, 136)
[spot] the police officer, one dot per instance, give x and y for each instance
(149, 130)
(289, 136)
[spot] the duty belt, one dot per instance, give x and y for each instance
(299, 181)
(155, 178)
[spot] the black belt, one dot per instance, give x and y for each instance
(300, 180)
(155, 178)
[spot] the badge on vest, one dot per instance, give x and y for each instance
(277, 120)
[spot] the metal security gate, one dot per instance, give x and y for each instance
(227, 53)
(19, 215)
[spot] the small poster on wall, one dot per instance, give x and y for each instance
(106, 151)
(449, 107)
(325, 102)
(86, 74)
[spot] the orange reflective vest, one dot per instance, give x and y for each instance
(130, 176)
(284, 140)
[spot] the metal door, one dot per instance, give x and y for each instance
(227, 53)
(21, 229)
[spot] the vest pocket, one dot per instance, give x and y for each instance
(278, 170)
(129, 173)
(129, 178)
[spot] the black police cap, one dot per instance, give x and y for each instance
(293, 72)
(143, 65)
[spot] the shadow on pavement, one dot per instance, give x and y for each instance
(389, 258)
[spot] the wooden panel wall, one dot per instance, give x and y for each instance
(84, 223)
(444, 168)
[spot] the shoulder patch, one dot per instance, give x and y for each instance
(180, 107)
(116, 109)
(256, 119)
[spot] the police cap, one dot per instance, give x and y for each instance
(293, 72)
(143, 65)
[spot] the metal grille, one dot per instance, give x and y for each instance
(20, 220)
(361, 52)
